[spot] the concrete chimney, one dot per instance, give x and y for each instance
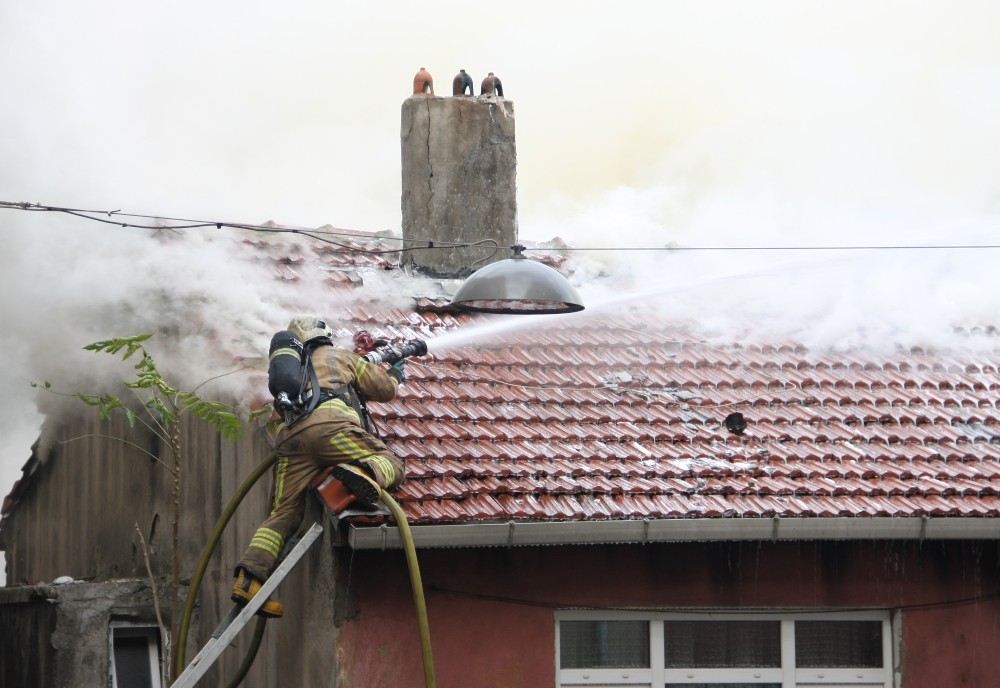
(459, 181)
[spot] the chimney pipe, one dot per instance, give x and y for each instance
(459, 182)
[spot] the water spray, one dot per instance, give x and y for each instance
(499, 325)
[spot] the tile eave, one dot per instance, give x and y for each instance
(521, 533)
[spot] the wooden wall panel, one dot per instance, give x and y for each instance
(77, 518)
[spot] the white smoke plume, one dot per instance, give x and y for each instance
(858, 126)
(724, 123)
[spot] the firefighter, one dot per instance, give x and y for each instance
(318, 389)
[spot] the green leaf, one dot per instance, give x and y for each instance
(149, 377)
(167, 416)
(134, 344)
(228, 424)
(108, 403)
(215, 413)
(130, 417)
(113, 346)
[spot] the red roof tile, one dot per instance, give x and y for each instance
(590, 421)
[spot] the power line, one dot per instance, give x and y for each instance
(555, 604)
(108, 217)
(219, 224)
(879, 247)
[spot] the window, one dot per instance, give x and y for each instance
(838, 644)
(135, 656)
(723, 650)
(619, 644)
(719, 644)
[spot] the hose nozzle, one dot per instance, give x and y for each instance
(391, 353)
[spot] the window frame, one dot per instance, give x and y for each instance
(787, 675)
(127, 629)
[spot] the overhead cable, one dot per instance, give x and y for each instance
(712, 611)
(109, 217)
(858, 247)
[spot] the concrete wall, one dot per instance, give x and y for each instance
(57, 635)
(77, 519)
(459, 180)
(492, 611)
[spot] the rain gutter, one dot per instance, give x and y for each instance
(522, 533)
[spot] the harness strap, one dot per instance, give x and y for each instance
(308, 371)
(345, 392)
(313, 385)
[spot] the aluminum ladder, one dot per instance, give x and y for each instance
(241, 616)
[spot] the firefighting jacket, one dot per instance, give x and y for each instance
(337, 370)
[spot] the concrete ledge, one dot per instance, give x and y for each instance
(523, 534)
(27, 593)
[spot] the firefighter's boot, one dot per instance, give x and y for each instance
(358, 481)
(245, 587)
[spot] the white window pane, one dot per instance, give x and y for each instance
(838, 644)
(596, 644)
(715, 644)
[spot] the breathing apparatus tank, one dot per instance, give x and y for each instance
(284, 371)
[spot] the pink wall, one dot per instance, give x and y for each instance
(952, 646)
(491, 610)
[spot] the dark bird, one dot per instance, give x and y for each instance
(735, 423)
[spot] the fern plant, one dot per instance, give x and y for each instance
(164, 402)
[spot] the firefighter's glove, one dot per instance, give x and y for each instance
(398, 370)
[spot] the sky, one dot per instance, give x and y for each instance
(638, 124)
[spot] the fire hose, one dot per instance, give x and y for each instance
(413, 567)
(202, 565)
(417, 587)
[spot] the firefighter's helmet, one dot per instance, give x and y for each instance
(309, 328)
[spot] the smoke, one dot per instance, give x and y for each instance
(62, 290)
(669, 123)
(849, 127)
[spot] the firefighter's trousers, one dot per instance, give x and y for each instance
(322, 441)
